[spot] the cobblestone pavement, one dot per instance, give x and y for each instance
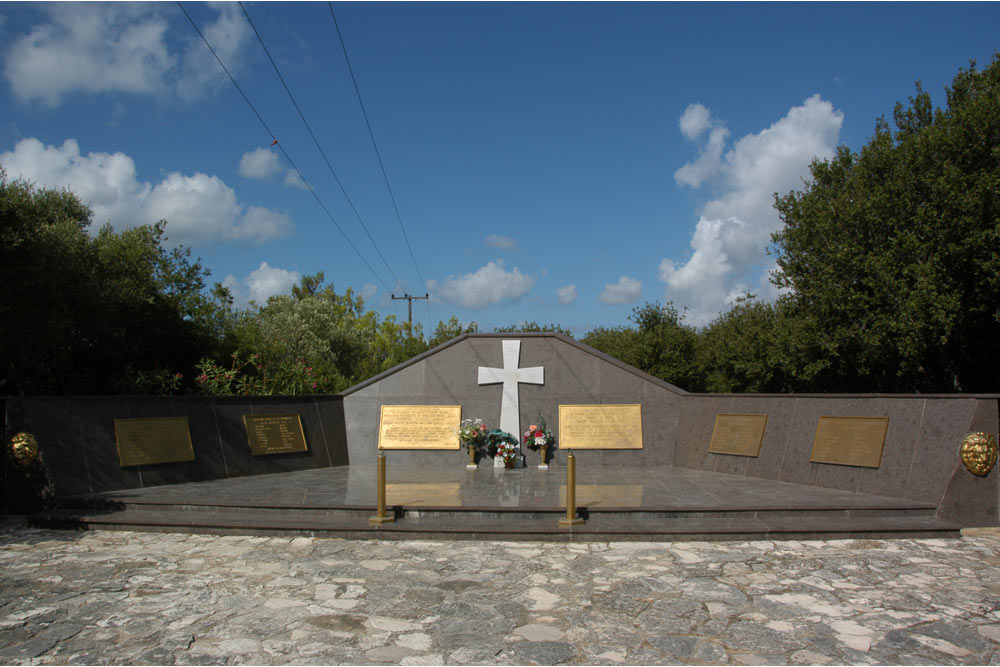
(124, 598)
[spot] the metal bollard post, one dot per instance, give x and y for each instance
(382, 516)
(571, 518)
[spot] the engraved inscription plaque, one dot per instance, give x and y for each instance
(738, 435)
(275, 434)
(155, 440)
(419, 426)
(600, 427)
(850, 441)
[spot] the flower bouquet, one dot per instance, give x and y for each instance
(539, 438)
(502, 445)
(472, 436)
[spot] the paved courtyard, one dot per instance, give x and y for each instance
(125, 597)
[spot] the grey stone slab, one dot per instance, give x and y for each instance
(104, 469)
(692, 445)
(781, 414)
(233, 436)
(661, 411)
(942, 423)
(56, 425)
(892, 476)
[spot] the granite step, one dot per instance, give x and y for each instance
(512, 524)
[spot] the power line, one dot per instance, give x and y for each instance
(281, 148)
(385, 176)
(316, 142)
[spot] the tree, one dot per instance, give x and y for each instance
(112, 313)
(659, 344)
(531, 327)
(445, 331)
(313, 340)
(894, 252)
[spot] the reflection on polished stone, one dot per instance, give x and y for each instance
(442, 494)
(604, 495)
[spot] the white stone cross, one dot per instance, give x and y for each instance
(510, 375)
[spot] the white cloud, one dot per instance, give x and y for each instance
(263, 282)
(121, 48)
(626, 290)
(500, 242)
(695, 120)
(490, 284)
(368, 290)
(566, 295)
(292, 178)
(259, 164)
(198, 208)
(730, 240)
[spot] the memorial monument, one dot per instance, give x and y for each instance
(937, 452)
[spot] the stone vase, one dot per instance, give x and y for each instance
(543, 451)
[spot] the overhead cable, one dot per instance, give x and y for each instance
(385, 176)
(316, 142)
(275, 142)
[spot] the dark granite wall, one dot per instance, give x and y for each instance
(574, 374)
(77, 438)
(920, 459)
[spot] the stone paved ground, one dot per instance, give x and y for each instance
(120, 598)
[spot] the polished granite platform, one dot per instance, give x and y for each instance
(664, 503)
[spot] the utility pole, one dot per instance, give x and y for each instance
(409, 306)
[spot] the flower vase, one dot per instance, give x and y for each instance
(509, 464)
(544, 452)
(472, 458)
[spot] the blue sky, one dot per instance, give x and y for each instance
(556, 162)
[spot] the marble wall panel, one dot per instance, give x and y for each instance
(892, 476)
(361, 415)
(661, 410)
(97, 422)
(969, 499)
(408, 381)
(695, 430)
(943, 424)
(331, 419)
(209, 453)
(233, 436)
(56, 425)
(781, 413)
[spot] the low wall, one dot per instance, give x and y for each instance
(77, 438)
(920, 460)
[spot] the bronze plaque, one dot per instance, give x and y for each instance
(419, 427)
(275, 434)
(850, 441)
(143, 442)
(738, 435)
(600, 427)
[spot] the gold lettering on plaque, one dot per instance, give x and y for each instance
(275, 434)
(600, 427)
(738, 435)
(419, 426)
(155, 440)
(850, 441)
